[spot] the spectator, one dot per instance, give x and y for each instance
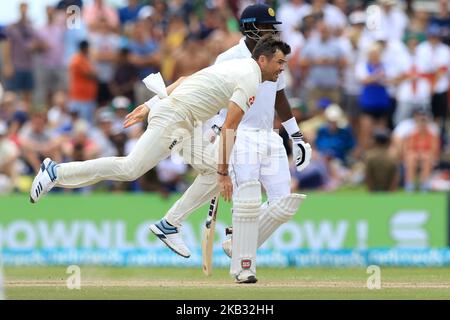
(351, 85)
(145, 55)
(9, 154)
(414, 87)
(38, 142)
(393, 21)
(291, 13)
(80, 146)
(442, 19)
(14, 113)
(189, 59)
(104, 46)
(335, 138)
(82, 84)
(58, 115)
(381, 169)
(21, 44)
(130, 12)
(374, 99)
(421, 150)
(323, 58)
(97, 11)
(316, 176)
(177, 32)
(50, 69)
(103, 133)
(125, 76)
(121, 106)
(332, 15)
(434, 57)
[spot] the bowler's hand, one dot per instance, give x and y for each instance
(137, 115)
(226, 187)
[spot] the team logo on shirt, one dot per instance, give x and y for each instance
(251, 100)
(271, 12)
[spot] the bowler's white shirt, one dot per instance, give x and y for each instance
(204, 93)
(262, 112)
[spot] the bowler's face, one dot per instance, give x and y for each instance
(275, 66)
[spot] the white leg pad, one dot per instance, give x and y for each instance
(246, 210)
(275, 214)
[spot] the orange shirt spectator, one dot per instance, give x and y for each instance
(423, 141)
(82, 86)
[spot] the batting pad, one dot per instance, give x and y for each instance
(276, 214)
(246, 209)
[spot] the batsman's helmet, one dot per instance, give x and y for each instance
(257, 14)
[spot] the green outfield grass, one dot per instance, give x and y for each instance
(181, 283)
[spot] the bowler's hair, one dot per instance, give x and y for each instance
(268, 45)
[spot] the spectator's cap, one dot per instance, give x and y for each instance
(145, 12)
(323, 103)
(387, 2)
(357, 17)
(434, 31)
(259, 13)
(380, 35)
(413, 36)
(120, 102)
(334, 113)
(106, 116)
(80, 127)
(3, 128)
(381, 136)
(295, 103)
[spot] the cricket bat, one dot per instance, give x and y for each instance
(208, 236)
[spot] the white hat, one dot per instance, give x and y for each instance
(145, 12)
(106, 116)
(357, 17)
(3, 128)
(334, 113)
(121, 102)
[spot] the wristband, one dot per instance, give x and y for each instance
(291, 126)
(222, 174)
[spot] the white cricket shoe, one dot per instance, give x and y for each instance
(226, 246)
(44, 181)
(246, 276)
(171, 236)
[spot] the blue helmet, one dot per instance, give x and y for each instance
(257, 14)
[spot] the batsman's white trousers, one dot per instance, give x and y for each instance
(166, 131)
(257, 155)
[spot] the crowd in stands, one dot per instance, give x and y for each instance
(368, 82)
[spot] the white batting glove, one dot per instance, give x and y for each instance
(301, 151)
